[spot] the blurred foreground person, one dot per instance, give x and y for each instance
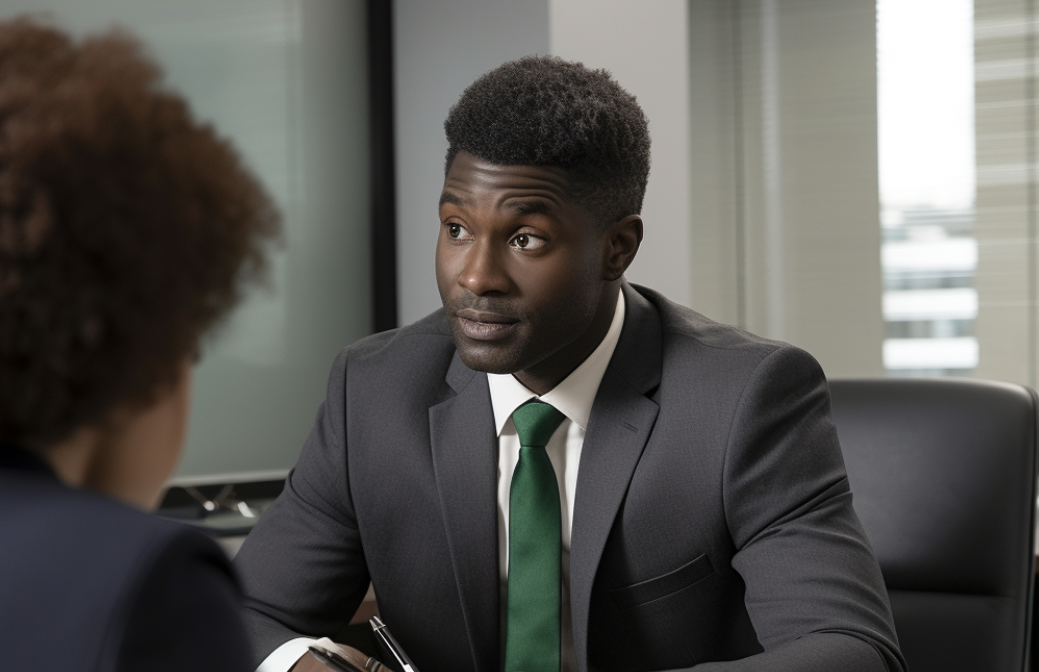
(127, 230)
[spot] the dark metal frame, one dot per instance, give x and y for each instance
(382, 165)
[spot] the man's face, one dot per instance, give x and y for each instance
(520, 270)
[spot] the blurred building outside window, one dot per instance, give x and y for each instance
(929, 255)
(957, 138)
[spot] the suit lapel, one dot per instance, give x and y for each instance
(465, 461)
(620, 425)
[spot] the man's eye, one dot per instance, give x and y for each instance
(526, 241)
(454, 230)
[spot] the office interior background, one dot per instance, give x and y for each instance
(858, 178)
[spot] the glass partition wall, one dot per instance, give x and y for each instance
(286, 81)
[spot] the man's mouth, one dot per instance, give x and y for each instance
(481, 325)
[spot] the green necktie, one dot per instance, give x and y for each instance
(535, 546)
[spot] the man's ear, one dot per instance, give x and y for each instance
(620, 245)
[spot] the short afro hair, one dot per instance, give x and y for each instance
(544, 111)
(127, 230)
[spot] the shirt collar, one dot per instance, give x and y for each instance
(574, 396)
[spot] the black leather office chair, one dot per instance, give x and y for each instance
(943, 475)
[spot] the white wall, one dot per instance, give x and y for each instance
(645, 46)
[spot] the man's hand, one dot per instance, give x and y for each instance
(308, 663)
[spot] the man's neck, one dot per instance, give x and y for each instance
(543, 377)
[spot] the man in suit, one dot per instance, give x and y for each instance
(703, 517)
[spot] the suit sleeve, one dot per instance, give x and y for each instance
(302, 567)
(814, 590)
(185, 613)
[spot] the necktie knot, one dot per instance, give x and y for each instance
(535, 423)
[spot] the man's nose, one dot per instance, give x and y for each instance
(484, 271)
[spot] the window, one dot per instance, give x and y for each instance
(864, 181)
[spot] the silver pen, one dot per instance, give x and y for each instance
(382, 633)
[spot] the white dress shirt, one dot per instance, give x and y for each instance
(573, 397)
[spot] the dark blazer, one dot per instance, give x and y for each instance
(712, 519)
(87, 583)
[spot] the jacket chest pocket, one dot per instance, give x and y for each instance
(647, 591)
(687, 616)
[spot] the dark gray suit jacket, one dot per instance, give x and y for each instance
(712, 519)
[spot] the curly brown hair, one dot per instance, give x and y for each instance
(127, 230)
